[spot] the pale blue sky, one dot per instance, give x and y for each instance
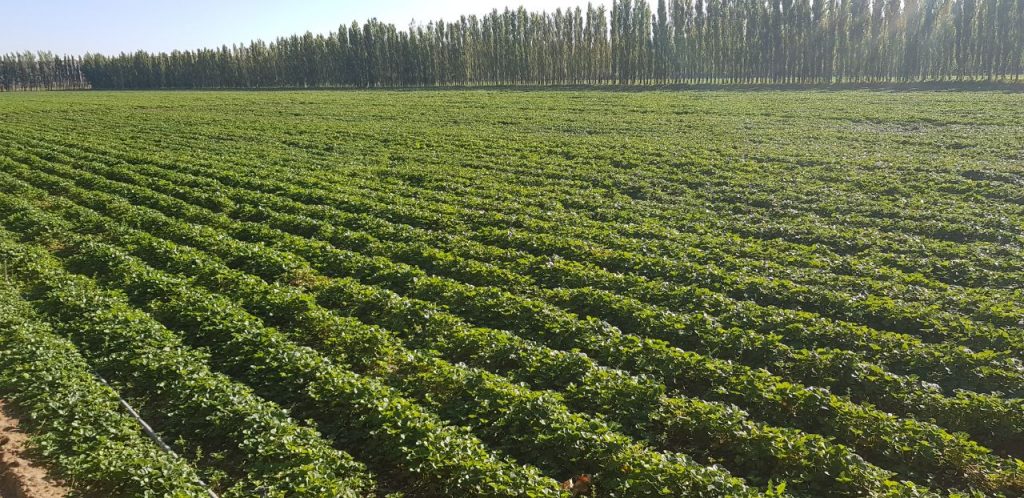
(113, 26)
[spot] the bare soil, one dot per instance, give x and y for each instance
(19, 476)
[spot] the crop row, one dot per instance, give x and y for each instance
(479, 192)
(676, 423)
(878, 309)
(75, 422)
(563, 273)
(487, 168)
(500, 406)
(681, 357)
(712, 293)
(352, 409)
(252, 445)
(360, 234)
(740, 279)
(636, 231)
(994, 421)
(887, 306)
(976, 336)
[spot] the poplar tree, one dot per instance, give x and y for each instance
(681, 41)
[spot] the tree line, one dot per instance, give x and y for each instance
(678, 41)
(41, 71)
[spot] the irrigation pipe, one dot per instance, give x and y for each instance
(149, 430)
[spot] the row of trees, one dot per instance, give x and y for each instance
(679, 41)
(41, 71)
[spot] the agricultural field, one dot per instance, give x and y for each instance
(516, 293)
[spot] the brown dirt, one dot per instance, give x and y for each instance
(19, 476)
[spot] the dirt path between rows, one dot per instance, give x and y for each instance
(19, 477)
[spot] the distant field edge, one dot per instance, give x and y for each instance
(958, 86)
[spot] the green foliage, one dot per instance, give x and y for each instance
(720, 42)
(484, 309)
(76, 423)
